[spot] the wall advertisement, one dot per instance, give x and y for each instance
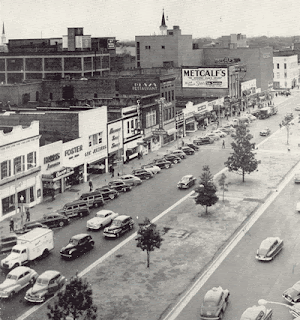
(114, 136)
(247, 85)
(208, 78)
(139, 86)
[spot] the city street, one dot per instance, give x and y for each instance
(155, 196)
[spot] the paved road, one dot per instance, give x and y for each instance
(149, 199)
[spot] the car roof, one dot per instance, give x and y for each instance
(252, 312)
(127, 175)
(49, 274)
(122, 217)
(268, 242)
(213, 294)
(104, 211)
(93, 193)
(80, 236)
(187, 176)
(19, 270)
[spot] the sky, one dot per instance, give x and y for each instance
(124, 19)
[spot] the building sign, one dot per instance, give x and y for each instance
(157, 132)
(73, 152)
(111, 44)
(247, 85)
(114, 136)
(161, 104)
(209, 78)
(95, 150)
(50, 161)
(139, 86)
(227, 60)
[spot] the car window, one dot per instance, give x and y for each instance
(23, 251)
(21, 276)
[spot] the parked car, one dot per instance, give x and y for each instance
(28, 226)
(46, 285)
(212, 136)
(295, 310)
(162, 163)
(204, 140)
(92, 199)
(297, 177)
(193, 146)
(265, 132)
(214, 303)
(102, 219)
(172, 158)
(257, 313)
(151, 168)
(297, 108)
(119, 185)
(107, 192)
(251, 117)
(131, 179)
(54, 220)
(179, 153)
(78, 208)
(220, 133)
(77, 245)
(227, 129)
(16, 280)
(187, 150)
(269, 248)
(142, 174)
(186, 182)
(119, 225)
(292, 294)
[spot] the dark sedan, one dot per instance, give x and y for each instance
(193, 146)
(108, 193)
(53, 220)
(187, 150)
(119, 185)
(171, 157)
(79, 244)
(163, 163)
(142, 174)
(206, 140)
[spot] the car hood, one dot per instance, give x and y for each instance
(111, 228)
(95, 220)
(7, 283)
(68, 246)
(291, 292)
(10, 257)
(37, 288)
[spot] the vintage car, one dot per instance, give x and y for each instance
(227, 129)
(151, 168)
(179, 153)
(295, 310)
(269, 248)
(28, 226)
(46, 285)
(107, 192)
(186, 182)
(297, 108)
(214, 303)
(220, 133)
(265, 132)
(142, 174)
(257, 313)
(16, 280)
(298, 206)
(102, 219)
(212, 136)
(204, 140)
(119, 225)
(53, 220)
(77, 245)
(172, 158)
(292, 294)
(187, 150)
(120, 186)
(162, 163)
(131, 179)
(193, 146)
(297, 177)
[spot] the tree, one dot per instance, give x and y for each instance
(222, 183)
(206, 191)
(148, 238)
(74, 301)
(242, 159)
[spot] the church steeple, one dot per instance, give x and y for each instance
(3, 37)
(163, 27)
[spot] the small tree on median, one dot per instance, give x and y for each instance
(206, 191)
(222, 183)
(242, 159)
(74, 301)
(148, 238)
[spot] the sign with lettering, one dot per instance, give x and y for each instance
(209, 78)
(247, 85)
(51, 161)
(227, 60)
(139, 85)
(114, 136)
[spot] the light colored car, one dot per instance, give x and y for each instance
(265, 132)
(179, 153)
(212, 136)
(16, 280)
(186, 182)
(222, 134)
(251, 117)
(227, 128)
(292, 295)
(46, 285)
(269, 248)
(298, 206)
(257, 313)
(297, 108)
(297, 177)
(131, 179)
(151, 168)
(102, 219)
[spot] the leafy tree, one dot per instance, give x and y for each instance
(222, 183)
(148, 238)
(74, 301)
(206, 191)
(242, 159)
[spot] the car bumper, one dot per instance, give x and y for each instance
(209, 318)
(258, 257)
(288, 299)
(67, 256)
(4, 294)
(110, 235)
(93, 227)
(182, 186)
(34, 299)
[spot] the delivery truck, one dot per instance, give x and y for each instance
(30, 246)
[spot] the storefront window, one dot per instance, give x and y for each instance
(8, 204)
(190, 126)
(151, 118)
(31, 194)
(5, 169)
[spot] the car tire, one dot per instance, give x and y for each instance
(12, 293)
(15, 265)
(167, 166)
(61, 223)
(175, 161)
(221, 315)
(92, 245)
(111, 196)
(45, 253)
(147, 177)
(80, 214)
(32, 281)
(96, 205)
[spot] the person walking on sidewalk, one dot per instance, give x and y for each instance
(27, 215)
(91, 185)
(223, 144)
(11, 225)
(112, 170)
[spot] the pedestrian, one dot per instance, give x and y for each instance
(280, 125)
(112, 170)
(276, 94)
(91, 185)
(27, 215)
(227, 115)
(53, 193)
(11, 225)
(141, 154)
(223, 144)
(182, 143)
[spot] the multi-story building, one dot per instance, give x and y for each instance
(285, 70)
(20, 185)
(233, 41)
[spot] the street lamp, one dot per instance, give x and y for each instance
(22, 211)
(263, 302)
(294, 310)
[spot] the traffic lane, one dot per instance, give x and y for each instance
(249, 280)
(147, 200)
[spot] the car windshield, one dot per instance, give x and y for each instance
(185, 179)
(73, 241)
(12, 277)
(116, 223)
(209, 303)
(42, 281)
(100, 215)
(15, 251)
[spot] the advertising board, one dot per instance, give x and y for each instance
(139, 86)
(208, 78)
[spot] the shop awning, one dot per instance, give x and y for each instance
(63, 173)
(171, 131)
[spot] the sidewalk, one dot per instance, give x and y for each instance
(123, 288)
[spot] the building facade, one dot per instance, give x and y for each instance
(286, 71)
